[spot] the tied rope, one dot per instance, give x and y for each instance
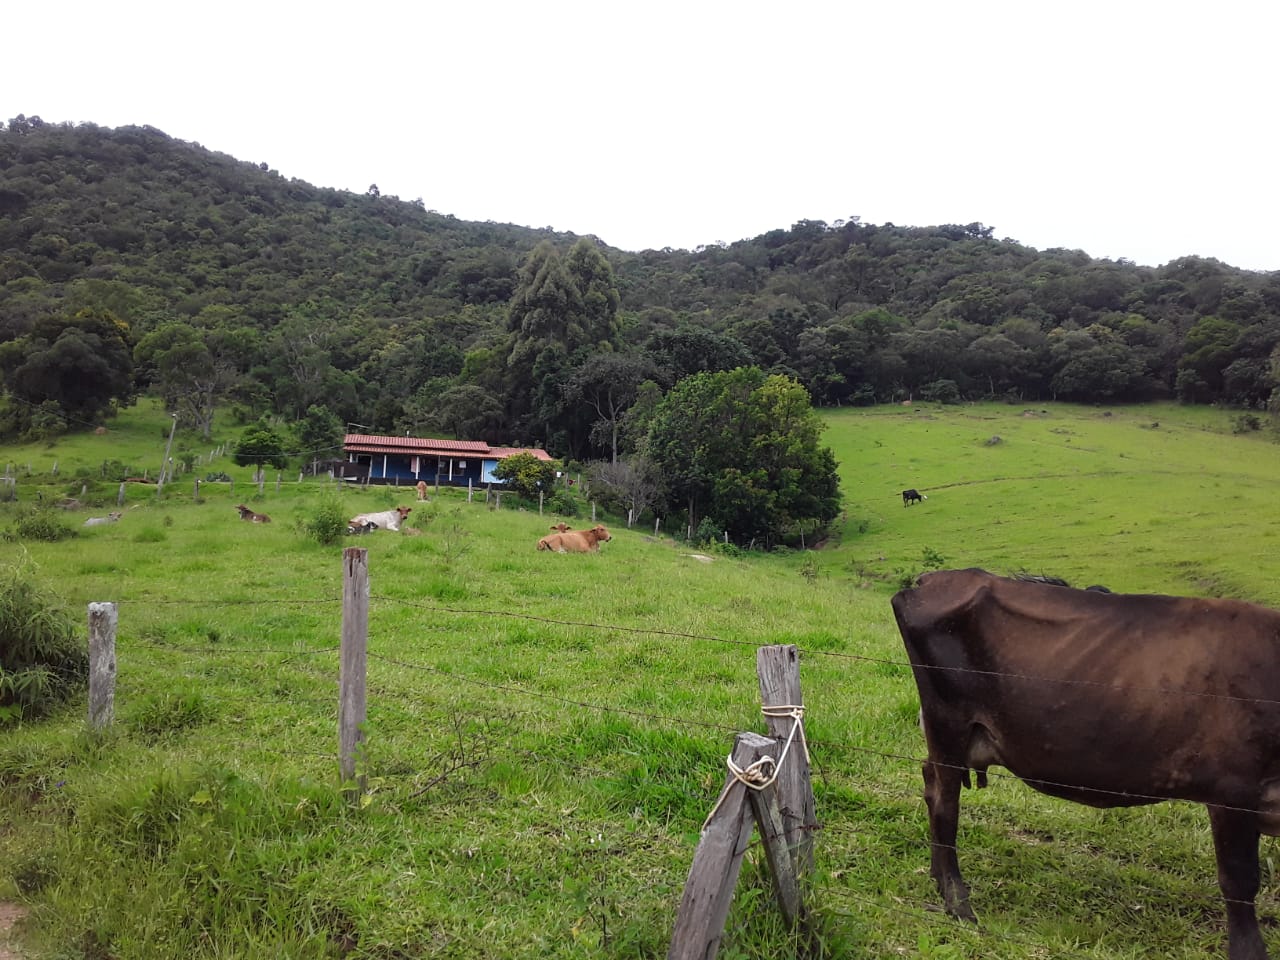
(763, 773)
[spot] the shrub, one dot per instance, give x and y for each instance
(564, 505)
(1246, 423)
(709, 531)
(42, 661)
(526, 474)
(328, 522)
(941, 391)
(41, 524)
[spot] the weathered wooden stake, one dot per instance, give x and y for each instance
(120, 495)
(102, 664)
(540, 496)
(593, 511)
(353, 667)
(196, 495)
(779, 671)
(279, 477)
(704, 907)
(468, 489)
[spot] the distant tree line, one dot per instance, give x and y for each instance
(131, 262)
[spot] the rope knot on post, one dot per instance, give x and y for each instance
(763, 773)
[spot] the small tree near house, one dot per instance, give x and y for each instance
(526, 474)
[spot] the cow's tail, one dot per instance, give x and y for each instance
(543, 545)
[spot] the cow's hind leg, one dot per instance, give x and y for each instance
(1235, 841)
(942, 797)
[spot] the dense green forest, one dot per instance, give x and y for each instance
(132, 262)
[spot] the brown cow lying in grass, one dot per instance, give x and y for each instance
(247, 514)
(575, 541)
(385, 520)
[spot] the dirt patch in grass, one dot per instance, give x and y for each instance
(10, 914)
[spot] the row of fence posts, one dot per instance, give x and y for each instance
(768, 787)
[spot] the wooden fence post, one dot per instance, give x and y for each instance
(102, 664)
(120, 495)
(779, 671)
(704, 907)
(353, 667)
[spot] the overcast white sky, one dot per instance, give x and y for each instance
(1144, 130)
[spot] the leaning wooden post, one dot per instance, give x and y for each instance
(779, 671)
(102, 664)
(352, 669)
(120, 496)
(704, 907)
(540, 496)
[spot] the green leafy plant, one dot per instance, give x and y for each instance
(42, 660)
(328, 521)
(41, 524)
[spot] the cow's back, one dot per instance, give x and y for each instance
(1139, 693)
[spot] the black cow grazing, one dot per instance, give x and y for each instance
(1110, 700)
(912, 496)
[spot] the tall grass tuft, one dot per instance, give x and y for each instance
(42, 660)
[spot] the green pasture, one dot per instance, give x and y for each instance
(547, 732)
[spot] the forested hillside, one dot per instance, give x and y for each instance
(131, 261)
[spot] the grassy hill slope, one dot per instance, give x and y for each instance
(546, 733)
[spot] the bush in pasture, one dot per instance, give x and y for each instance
(328, 521)
(941, 391)
(41, 524)
(42, 661)
(709, 531)
(47, 421)
(526, 474)
(1246, 423)
(564, 505)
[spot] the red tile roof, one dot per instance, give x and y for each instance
(498, 453)
(425, 446)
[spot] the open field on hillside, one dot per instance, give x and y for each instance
(546, 733)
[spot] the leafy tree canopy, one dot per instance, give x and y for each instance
(526, 474)
(741, 449)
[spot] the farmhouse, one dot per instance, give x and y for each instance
(406, 460)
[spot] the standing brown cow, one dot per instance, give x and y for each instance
(1109, 700)
(576, 541)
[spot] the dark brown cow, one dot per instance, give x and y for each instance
(251, 516)
(1110, 700)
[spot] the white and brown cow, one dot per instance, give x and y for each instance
(383, 520)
